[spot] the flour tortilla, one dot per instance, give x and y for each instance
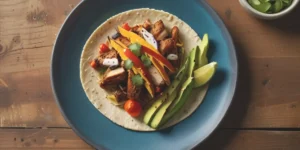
(89, 77)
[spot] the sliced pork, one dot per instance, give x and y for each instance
(133, 91)
(113, 77)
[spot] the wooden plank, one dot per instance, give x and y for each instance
(252, 140)
(267, 95)
(27, 100)
(28, 29)
(222, 139)
(260, 38)
(36, 139)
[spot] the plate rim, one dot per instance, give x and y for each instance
(233, 60)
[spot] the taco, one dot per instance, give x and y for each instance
(132, 60)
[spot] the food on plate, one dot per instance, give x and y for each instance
(139, 69)
(204, 74)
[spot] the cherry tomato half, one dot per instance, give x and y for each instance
(93, 64)
(133, 108)
(126, 26)
(103, 48)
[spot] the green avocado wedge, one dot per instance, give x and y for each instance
(160, 113)
(192, 62)
(185, 92)
(158, 102)
(201, 52)
(170, 104)
(191, 68)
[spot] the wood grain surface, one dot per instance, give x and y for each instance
(264, 114)
(41, 138)
(64, 139)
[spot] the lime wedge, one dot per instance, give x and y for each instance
(202, 50)
(204, 74)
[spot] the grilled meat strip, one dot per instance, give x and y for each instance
(137, 29)
(167, 46)
(133, 91)
(113, 77)
(159, 31)
(123, 40)
(147, 25)
(156, 77)
(108, 55)
(175, 33)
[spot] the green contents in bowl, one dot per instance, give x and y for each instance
(270, 6)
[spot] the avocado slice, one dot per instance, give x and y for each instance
(161, 117)
(182, 98)
(191, 67)
(192, 62)
(160, 113)
(201, 59)
(156, 105)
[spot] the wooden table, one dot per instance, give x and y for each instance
(265, 113)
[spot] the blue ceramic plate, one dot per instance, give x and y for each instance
(100, 132)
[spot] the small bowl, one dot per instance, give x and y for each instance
(261, 15)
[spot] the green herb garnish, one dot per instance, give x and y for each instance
(135, 48)
(128, 64)
(146, 61)
(137, 80)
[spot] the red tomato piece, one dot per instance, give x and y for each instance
(133, 108)
(126, 26)
(94, 64)
(103, 48)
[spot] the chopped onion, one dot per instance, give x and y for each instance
(110, 62)
(172, 57)
(149, 38)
